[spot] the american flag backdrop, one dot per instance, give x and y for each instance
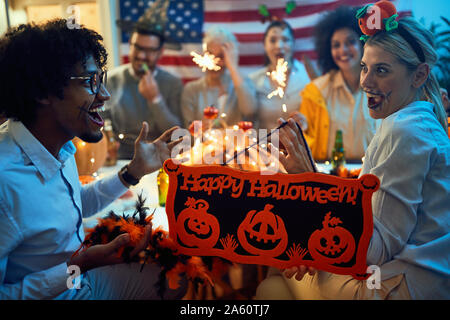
(189, 18)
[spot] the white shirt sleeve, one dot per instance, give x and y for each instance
(401, 162)
(97, 195)
(45, 284)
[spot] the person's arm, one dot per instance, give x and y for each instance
(402, 163)
(45, 284)
(246, 98)
(297, 159)
(243, 86)
(148, 157)
(99, 194)
(189, 105)
(165, 110)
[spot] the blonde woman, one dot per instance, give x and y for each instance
(226, 89)
(410, 154)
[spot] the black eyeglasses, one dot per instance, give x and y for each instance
(147, 51)
(95, 80)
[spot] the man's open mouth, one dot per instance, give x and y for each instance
(94, 115)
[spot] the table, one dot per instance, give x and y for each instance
(325, 167)
(149, 188)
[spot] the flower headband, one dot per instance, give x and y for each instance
(381, 16)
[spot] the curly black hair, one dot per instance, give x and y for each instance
(342, 17)
(37, 61)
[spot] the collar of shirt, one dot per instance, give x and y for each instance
(36, 153)
(338, 82)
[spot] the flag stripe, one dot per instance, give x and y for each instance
(242, 18)
(244, 60)
(254, 16)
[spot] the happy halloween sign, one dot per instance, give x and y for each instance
(279, 220)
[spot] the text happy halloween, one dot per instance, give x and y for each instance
(263, 188)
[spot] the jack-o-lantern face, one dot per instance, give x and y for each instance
(369, 182)
(263, 233)
(196, 227)
(332, 244)
(171, 166)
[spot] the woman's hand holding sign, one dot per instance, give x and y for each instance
(297, 160)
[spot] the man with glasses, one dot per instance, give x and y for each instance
(142, 92)
(52, 91)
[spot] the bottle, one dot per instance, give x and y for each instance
(338, 155)
(163, 186)
(112, 144)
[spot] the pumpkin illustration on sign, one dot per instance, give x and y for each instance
(332, 244)
(196, 227)
(263, 233)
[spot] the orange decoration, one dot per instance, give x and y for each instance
(263, 233)
(90, 156)
(342, 171)
(386, 9)
(245, 125)
(85, 179)
(331, 244)
(196, 226)
(448, 119)
(279, 220)
(193, 125)
(210, 112)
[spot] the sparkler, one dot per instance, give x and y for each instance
(279, 77)
(206, 61)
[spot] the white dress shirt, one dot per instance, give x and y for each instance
(410, 154)
(42, 204)
(348, 112)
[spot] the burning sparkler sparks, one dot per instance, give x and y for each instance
(206, 61)
(279, 77)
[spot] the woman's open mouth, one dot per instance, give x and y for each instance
(374, 101)
(279, 55)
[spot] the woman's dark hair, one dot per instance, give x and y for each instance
(280, 24)
(342, 17)
(37, 61)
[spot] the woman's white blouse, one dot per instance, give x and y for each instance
(410, 154)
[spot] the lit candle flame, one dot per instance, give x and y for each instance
(279, 77)
(206, 61)
(284, 107)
